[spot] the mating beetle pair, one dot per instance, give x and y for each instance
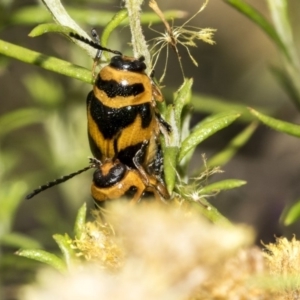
(123, 130)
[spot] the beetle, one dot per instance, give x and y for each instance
(113, 180)
(123, 131)
(122, 114)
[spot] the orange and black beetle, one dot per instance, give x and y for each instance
(121, 111)
(123, 131)
(123, 123)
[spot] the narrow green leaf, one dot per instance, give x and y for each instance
(210, 212)
(24, 15)
(45, 62)
(212, 105)
(182, 98)
(259, 20)
(62, 17)
(80, 221)
(44, 257)
(227, 184)
(291, 214)
(117, 19)
(205, 129)
(174, 136)
(170, 147)
(90, 17)
(170, 159)
(288, 84)
(225, 155)
(20, 118)
(50, 93)
(278, 125)
(11, 194)
(63, 242)
(279, 10)
(49, 27)
(18, 240)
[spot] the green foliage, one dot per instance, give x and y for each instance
(80, 221)
(288, 75)
(62, 127)
(222, 185)
(233, 146)
(291, 214)
(280, 33)
(91, 17)
(205, 129)
(44, 257)
(68, 257)
(281, 126)
(49, 27)
(259, 20)
(178, 149)
(44, 61)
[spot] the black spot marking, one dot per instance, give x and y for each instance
(128, 64)
(115, 175)
(112, 88)
(111, 121)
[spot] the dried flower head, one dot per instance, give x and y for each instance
(180, 250)
(283, 262)
(98, 244)
(184, 35)
(236, 279)
(168, 254)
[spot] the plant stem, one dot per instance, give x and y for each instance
(137, 38)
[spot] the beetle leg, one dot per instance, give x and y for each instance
(167, 127)
(136, 160)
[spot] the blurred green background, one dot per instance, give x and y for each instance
(43, 122)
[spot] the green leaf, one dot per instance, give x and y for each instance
(182, 98)
(117, 19)
(11, 194)
(291, 215)
(80, 221)
(64, 244)
(212, 105)
(277, 125)
(173, 138)
(225, 155)
(279, 10)
(259, 20)
(170, 159)
(290, 76)
(90, 17)
(44, 257)
(288, 84)
(49, 93)
(49, 27)
(45, 62)
(205, 129)
(227, 184)
(20, 118)
(24, 15)
(18, 240)
(210, 212)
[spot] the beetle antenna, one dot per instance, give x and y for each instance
(93, 44)
(59, 180)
